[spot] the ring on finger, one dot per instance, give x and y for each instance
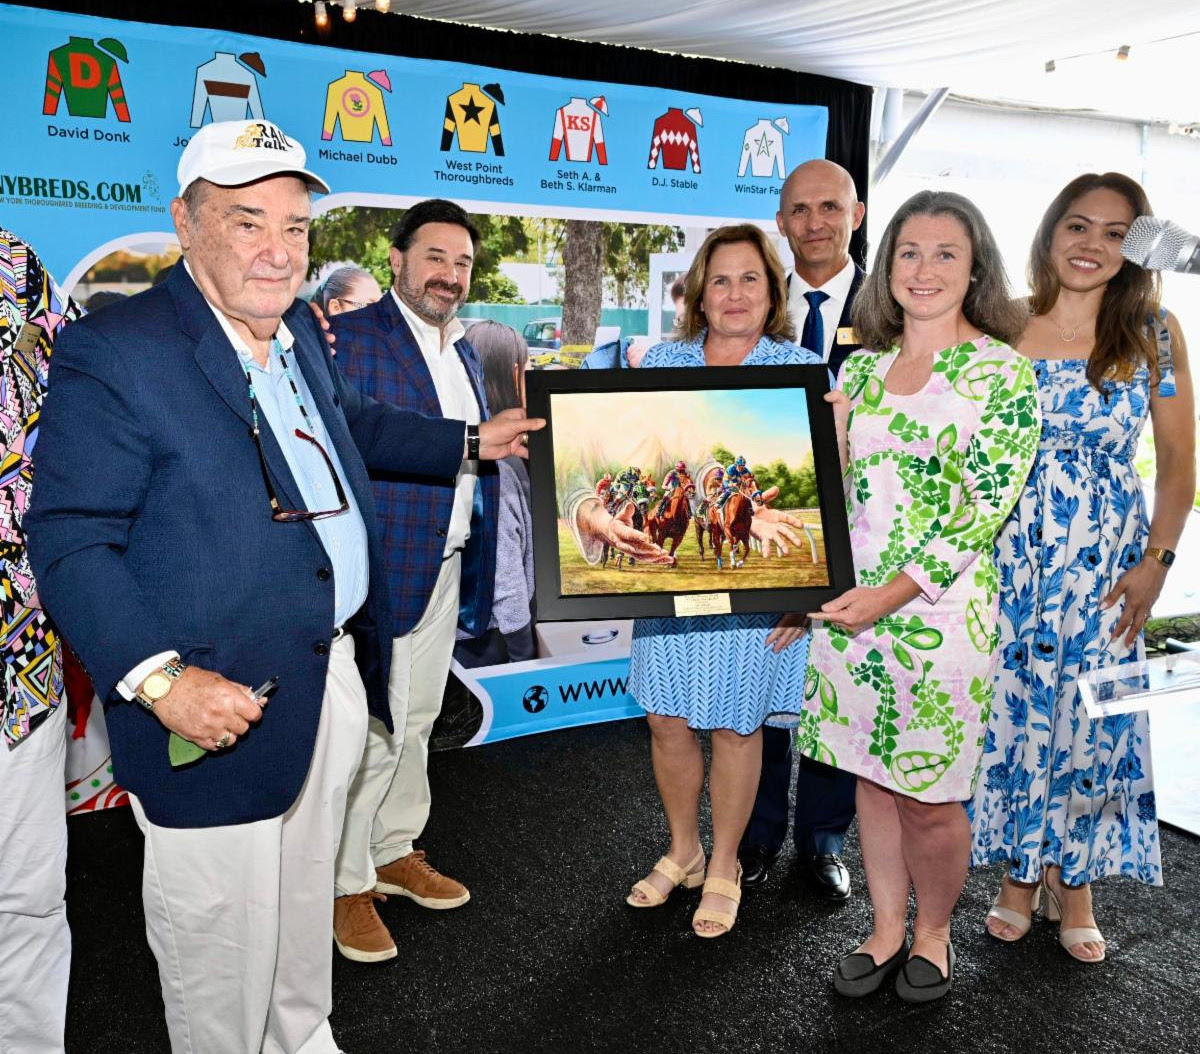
(222, 743)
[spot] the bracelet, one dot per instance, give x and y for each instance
(472, 442)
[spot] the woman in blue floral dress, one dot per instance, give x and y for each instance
(1061, 799)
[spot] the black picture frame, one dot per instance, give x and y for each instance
(810, 383)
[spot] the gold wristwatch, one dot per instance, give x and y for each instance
(1166, 557)
(158, 684)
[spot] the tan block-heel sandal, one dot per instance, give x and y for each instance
(723, 888)
(1012, 917)
(1071, 938)
(689, 877)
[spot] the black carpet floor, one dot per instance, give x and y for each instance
(549, 832)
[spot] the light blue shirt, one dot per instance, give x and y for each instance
(344, 536)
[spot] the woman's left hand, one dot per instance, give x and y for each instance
(863, 606)
(1139, 586)
(788, 630)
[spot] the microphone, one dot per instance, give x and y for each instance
(1160, 245)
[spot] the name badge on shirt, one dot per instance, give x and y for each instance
(28, 338)
(845, 335)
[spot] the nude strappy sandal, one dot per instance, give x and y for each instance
(1077, 934)
(689, 877)
(723, 888)
(1015, 919)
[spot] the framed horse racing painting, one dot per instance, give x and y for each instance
(685, 492)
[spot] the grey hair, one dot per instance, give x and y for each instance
(194, 195)
(339, 283)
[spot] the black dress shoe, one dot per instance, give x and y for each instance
(858, 974)
(756, 865)
(828, 876)
(919, 981)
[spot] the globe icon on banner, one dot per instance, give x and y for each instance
(535, 698)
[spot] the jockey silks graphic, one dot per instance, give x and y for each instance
(85, 74)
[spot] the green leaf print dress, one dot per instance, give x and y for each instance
(930, 480)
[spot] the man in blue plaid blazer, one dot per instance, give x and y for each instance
(439, 554)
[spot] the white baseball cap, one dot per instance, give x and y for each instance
(230, 153)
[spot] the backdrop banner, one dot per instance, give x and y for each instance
(100, 109)
(104, 108)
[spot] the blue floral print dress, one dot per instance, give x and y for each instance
(1056, 788)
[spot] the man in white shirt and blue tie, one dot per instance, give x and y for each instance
(818, 212)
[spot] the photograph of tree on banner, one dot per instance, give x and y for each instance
(568, 286)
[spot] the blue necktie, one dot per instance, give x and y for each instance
(813, 336)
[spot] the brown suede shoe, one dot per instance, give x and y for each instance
(412, 877)
(358, 931)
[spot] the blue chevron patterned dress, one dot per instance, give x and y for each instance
(715, 671)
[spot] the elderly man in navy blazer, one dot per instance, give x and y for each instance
(203, 522)
(439, 553)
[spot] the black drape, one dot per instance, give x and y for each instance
(849, 104)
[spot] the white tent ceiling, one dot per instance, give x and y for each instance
(995, 49)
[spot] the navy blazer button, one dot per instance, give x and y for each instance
(321, 647)
(324, 574)
(440, 532)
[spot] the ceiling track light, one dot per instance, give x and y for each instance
(1050, 67)
(1123, 53)
(349, 10)
(383, 6)
(320, 14)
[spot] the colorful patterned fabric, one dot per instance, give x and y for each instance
(932, 477)
(32, 311)
(715, 671)
(1058, 788)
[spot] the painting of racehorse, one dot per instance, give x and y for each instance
(686, 491)
(683, 482)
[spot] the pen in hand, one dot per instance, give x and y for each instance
(182, 751)
(264, 690)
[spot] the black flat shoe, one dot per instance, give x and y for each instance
(858, 974)
(919, 981)
(828, 876)
(756, 865)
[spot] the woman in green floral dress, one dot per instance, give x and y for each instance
(939, 430)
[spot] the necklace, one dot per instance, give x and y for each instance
(1063, 331)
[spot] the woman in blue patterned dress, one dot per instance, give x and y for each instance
(1061, 799)
(721, 673)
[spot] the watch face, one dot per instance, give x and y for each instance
(156, 686)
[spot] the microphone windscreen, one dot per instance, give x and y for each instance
(1154, 243)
